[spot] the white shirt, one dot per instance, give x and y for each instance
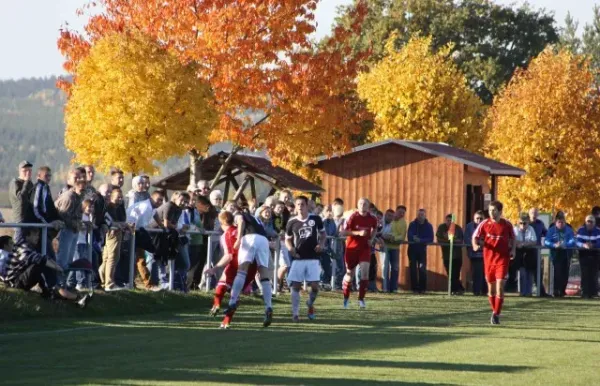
(82, 238)
(140, 213)
(528, 235)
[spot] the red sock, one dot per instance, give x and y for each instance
(492, 300)
(364, 284)
(498, 308)
(220, 292)
(346, 289)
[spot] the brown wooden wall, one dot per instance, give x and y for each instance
(391, 175)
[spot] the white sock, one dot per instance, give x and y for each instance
(237, 287)
(267, 292)
(295, 302)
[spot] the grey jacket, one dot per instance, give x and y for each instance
(19, 193)
(69, 209)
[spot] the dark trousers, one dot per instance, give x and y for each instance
(561, 264)
(478, 277)
(122, 270)
(589, 275)
(36, 274)
(417, 263)
(454, 277)
(325, 267)
(373, 273)
(511, 284)
(197, 260)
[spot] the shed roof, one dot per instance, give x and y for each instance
(489, 165)
(255, 164)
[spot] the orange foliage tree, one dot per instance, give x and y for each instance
(274, 90)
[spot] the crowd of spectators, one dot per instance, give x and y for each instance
(90, 239)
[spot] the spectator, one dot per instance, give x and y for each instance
(68, 206)
(477, 276)
(44, 211)
(318, 209)
(286, 196)
(116, 179)
(19, 194)
(90, 191)
(339, 246)
(525, 257)
(420, 232)
(540, 232)
(443, 236)
(559, 237)
(216, 199)
(138, 192)
(588, 238)
(200, 206)
(115, 219)
(204, 188)
(82, 248)
(182, 265)
(27, 268)
(331, 230)
(209, 219)
(393, 235)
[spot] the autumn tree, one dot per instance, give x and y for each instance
(490, 40)
(257, 57)
(547, 121)
(134, 103)
(417, 94)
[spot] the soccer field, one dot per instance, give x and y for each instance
(399, 340)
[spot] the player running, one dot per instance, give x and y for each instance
(497, 238)
(361, 229)
(253, 247)
(305, 239)
(229, 261)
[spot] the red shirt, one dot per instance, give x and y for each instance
(227, 240)
(357, 222)
(497, 238)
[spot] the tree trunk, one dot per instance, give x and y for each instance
(195, 167)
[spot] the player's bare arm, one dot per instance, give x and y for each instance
(226, 259)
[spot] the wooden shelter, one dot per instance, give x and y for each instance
(243, 171)
(440, 178)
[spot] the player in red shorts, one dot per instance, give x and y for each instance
(497, 238)
(361, 229)
(230, 262)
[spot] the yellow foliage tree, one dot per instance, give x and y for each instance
(134, 103)
(417, 94)
(547, 121)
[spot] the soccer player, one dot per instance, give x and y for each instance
(361, 229)
(229, 261)
(253, 247)
(305, 239)
(497, 238)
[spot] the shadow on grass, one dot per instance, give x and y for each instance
(438, 366)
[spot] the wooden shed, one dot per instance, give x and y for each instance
(435, 176)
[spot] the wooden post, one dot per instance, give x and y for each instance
(195, 167)
(240, 191)
(494, 190)
(227, 184)
(252, 188)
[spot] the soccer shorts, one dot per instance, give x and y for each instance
(230, 272)
(254, 247)
(495, 272)
(353, 257)
(304, 270)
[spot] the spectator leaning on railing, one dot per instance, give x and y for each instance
(115, 219)
(19, 194)
(525, 256)
(588, 237)
(43, 208)
(393, 234)
(540, 233)
(559, 237)
(442, 237)
(420, 231)
(477, 275)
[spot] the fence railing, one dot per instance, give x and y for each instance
(277, 251)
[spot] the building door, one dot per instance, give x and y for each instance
(474, 201)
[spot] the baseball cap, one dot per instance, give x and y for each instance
(25, 164)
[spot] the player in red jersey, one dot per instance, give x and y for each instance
(361, 229)
(230, 262)
(497, 238)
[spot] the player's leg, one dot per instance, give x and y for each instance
(313, 273)
(499, 296)
(262, 257)
(351, 261)
(295, 280)
(364, 282)
(225, 283)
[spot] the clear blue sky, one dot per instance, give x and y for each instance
(29, 29)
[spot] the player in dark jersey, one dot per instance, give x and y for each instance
(361, 229)
(305, 239)
(497, 237)
(229, 262)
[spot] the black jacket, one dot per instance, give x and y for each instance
(42, 205)
(19, 194)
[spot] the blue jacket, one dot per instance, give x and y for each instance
(554, 236)
(424, 232)
(469, 231)
(584, 236)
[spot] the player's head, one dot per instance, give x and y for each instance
(495, 210)
(363, 206)
(226, 220)
(301, 206)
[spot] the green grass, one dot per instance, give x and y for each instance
(400, 340)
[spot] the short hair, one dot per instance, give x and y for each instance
(280, 203)
(158, 193)
(421, 210)
(81, 169)
(303, 198)
(203, 200)
(401, 207)
(285, 191)
(389, 211)
(4, 240)
(185, 195)
(87, 203)
(116, 171)
(226, 218)
(480, 213)
(338, 201)
(497, 204)
(115, 190)
(449, 216)
(44, 169)
(379, 213)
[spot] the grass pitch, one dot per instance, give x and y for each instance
(399, 340)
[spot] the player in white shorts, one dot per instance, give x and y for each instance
(305, 239)
(253, 246)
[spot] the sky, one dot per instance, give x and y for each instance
(30, 28)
